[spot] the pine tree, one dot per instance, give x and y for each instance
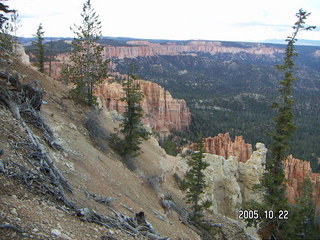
(39, 47)
(273, 181)
(88, 67)
(132, 127)
(5, 9)
(7, 28)
(195, 183)
(50, 57)
(306, 213)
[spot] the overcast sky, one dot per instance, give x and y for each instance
(230, 20)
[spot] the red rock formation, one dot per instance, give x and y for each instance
(223, 146)
(145, 48)
(296, 171)
(56, 64)
(162, 112)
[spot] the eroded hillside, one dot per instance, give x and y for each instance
(87, 169)
(56, 165)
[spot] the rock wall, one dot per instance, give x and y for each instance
(230, 181)
(317, 53)
(20, 53)
(145, 48)
(162, 112)
(56, 64)
(296, 171)
(222, 145)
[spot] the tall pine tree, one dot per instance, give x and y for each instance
(88, 66)
(273, 181)
(195, 183)
(39, 47)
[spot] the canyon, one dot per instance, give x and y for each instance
(143, 48)
(163, 113)
(179, 117)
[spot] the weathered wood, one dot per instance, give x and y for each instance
(11, 227)
(11, 100)
(12, 80)
(6, 98)
(155, 237)
(100, 199)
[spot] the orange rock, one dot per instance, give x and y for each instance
(162, 112)
(223, 146)
(296, 171)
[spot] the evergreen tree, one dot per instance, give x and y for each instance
(50, 56)
(39, 47)
(88, 68)
(195, 183)
(273, 181)
(7, 28)
(3, 10)
(131, 127)
(305, 213)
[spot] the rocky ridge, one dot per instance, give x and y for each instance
(222, 145)
(145, 49)
(229, 180)
(234, 168)
(163, 113)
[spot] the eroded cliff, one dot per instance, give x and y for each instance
(163, 113)
(296, 171)
(222, 145)
(145, 49)
(230, 181)
(234, 169)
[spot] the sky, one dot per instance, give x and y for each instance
(225, 20)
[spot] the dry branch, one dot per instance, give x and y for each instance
(9, 226)
(100, 199)
(27, 97)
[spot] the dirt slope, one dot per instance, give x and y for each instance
(90, 167)
(85, 166)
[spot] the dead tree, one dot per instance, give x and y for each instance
(25, 96)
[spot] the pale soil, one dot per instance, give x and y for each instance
(87, 168)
